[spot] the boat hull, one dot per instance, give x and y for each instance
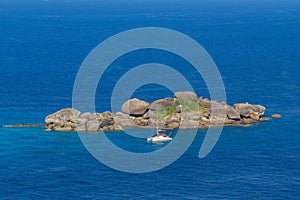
(158, 139)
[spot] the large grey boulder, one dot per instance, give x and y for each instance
(80, 124)
(189, 124)
(135, 107)
(232, 113)
(123, 119)
(204, 102)
(176, 117)
(218, 110)
(161, 104)
(196, 116)
(62, 120)
(67, 114)
(184, 96)
(247, 110)
(92, 126)
(140, 121)
(150, 115)
(191, 119)
(88, 116)
(106, 118)
(172, 121)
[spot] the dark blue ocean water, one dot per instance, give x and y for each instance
(255, 46)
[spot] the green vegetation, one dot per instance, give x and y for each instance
(170, 110)
(188, 106)
(201, 108)
(176, 102)
(161, 114)
(192, 105)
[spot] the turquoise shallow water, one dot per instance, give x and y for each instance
(255, 46)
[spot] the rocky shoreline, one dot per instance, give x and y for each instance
(185, 110)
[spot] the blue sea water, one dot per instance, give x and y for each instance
(255, 46)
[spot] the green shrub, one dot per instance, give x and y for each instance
(190, 105)
(170, 110)
(176, 103)
(202, 108)
(161, 114)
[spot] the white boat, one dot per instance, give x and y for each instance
(159, 138)
(160, 135)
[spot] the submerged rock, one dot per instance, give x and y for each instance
(276, 116)
(22, 125)
(262, 119)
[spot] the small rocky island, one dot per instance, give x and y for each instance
(185, 110)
